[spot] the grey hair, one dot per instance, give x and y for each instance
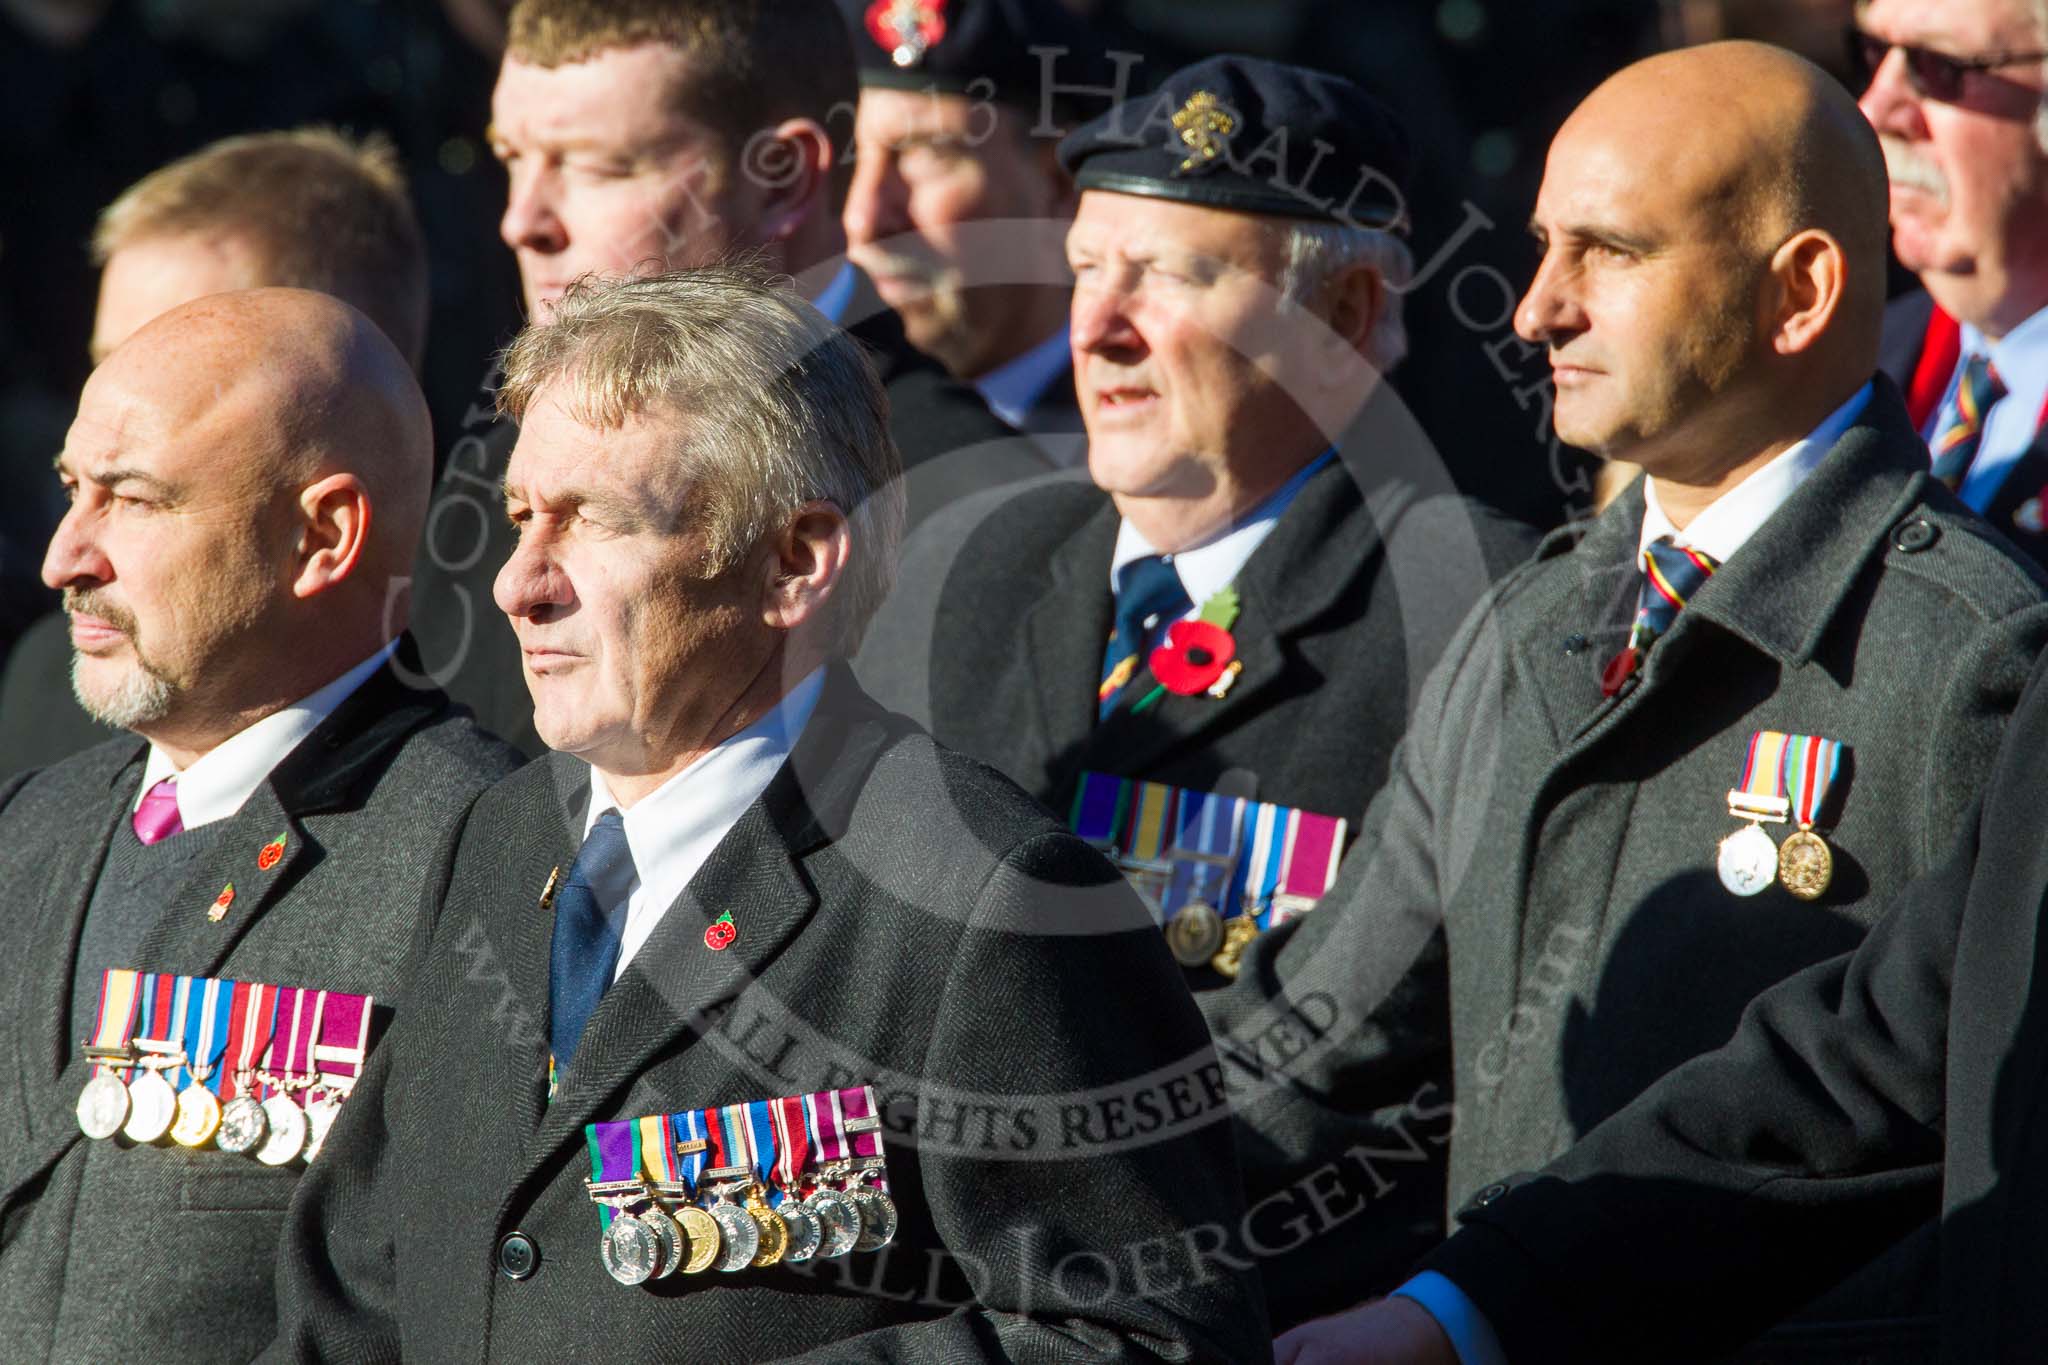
(1318, 252)
(778, 408)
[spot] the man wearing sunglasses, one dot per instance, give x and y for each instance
(1955, 91)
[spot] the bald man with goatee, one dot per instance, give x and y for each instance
(247, 477)
(1693, 747)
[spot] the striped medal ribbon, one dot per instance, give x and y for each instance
(1812, 764)
(103, 1103)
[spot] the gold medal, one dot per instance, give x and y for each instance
(198, 1116)
(1195, 933)
(702, 1231)
(774, 1232)
(1806, 865)
(1238, 935)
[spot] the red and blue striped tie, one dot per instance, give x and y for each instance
(1671, 575)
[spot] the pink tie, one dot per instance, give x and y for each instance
(157, 817)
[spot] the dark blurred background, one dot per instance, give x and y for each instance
(96, 93)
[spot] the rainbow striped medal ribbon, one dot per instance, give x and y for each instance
(103, 1103)
(633, 1248)
(1204, 855)
(838, 1218)
(1806, 865)
(1748, 859)
(863, 1126)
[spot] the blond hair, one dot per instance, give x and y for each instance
(321, 210)
(775, 407)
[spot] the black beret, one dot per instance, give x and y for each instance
(979, 48)
(1261, 137)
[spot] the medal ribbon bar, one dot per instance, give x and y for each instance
(115, 1025)
(792, 1146)
(614, 1162)
(1762, 793)
(760, 1146)
(1204, 850)
(344, 1038)
(689, 1128)
(252, 1027)
(1315, 845)
(1099, 809)
(1811, 766)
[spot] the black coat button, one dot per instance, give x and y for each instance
(518, 1256)
(1914, 535)
(1574, 643)
(1484, 1197)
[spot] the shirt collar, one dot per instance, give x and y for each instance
(1013, 388)
(223, 777)
(2021, 359)
(673, 828)
(1731, 519)
(834, 297)
(1209, 568)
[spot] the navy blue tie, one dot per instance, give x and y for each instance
(1148, 590)
(590, 918)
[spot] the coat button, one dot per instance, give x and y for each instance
(1574, 643)
(1915, 535)
(518, 1256)
(1484, 1197)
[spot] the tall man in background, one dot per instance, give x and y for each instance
(307, 209)
(646, 135)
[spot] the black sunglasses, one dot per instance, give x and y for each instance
(1933, 75)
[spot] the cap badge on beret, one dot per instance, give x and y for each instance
(1204, 125)
(907, 29)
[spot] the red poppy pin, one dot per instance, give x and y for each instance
(720, 933)
(1198, 657)
(267, 856)
(219, 909)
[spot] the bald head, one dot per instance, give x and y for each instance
(300, 386)
(1764, 141)
(249, 474)
(1712, 286)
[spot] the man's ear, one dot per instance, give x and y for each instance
(1351, 303)
(790, 167)
(334, 530)
(805, 565)
(1809, 276)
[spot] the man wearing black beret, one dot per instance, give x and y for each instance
(1268, 554)
(959, 207)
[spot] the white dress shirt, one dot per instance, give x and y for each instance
(1014, 387)
(2021, 359)
(1719, 531)
(223, 777)
(673, 829)
(1209, 568)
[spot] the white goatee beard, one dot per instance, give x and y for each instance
(139, 698)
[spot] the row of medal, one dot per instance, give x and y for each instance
(741, 1185)
(1784, 777)
(246, 1068)
(1216, 870)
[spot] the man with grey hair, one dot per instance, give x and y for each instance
(1238, 272)
(246, 478)
(1957, 92)
(740, 906)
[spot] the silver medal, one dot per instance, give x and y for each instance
(242, 1126)
(1748, 861)
(323, 1107)
(838, 1221)
(739, 1236)
(877, 1217)
(671, 1239)
(287, 1137)
(806, 1233)
(102, 1106)
(630, 1249)
(152, 1108)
